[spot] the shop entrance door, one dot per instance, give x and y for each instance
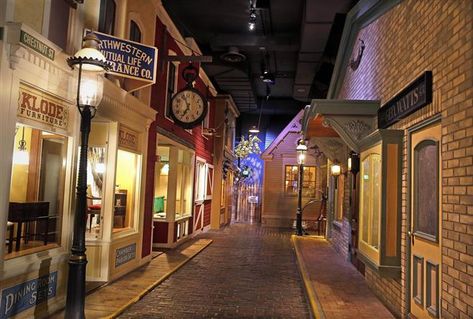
(426, 228)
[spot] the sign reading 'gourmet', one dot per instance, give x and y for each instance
(129, 59)
(410, 99)
(41, 107)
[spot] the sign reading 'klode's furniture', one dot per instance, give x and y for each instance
(415, 96)
(27, 294)
(127, 58)
(42, 107)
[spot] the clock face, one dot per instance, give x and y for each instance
(188, 108)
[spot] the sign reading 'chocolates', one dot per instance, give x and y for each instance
(41, 107)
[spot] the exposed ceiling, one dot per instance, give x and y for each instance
(296, 41)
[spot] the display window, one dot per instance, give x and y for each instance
(370, 200)
(161, 183)
(173, 183)
(338, 196)
(127, 195)
(291, 180)
(184, 184)
(96, 167)
(35, 210)
(200, 181)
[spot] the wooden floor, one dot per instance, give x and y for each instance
(111, 300)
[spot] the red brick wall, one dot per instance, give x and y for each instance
(412, 37)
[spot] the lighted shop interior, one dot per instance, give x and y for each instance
(36, 191)
(127, 181)
(173, 182)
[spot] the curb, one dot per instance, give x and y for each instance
(156, 283)
(314, 302)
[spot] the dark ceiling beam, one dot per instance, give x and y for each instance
(246, 42)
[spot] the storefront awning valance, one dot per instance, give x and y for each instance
(352, 120)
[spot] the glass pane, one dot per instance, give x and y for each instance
(376, 191)
(36, 191)
(184, 184)
(161, 172)
(426, 188)
(126, 189)
(366, 197)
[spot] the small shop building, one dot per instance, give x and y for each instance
(401, 101)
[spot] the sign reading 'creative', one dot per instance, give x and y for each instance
(410, 99)
(27, 294)
(41, 107)
(129, 59)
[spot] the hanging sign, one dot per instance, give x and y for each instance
(128, 58)
(27, 294)
(41, 107)
(127, 138)
(410, 99)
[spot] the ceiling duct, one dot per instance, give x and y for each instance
(233, 56)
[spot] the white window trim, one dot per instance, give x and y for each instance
(197, 197)
(210, 180)
(206, 121)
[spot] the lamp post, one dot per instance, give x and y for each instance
(301, 151)
(92, 65)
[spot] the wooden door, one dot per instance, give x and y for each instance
(426, 221)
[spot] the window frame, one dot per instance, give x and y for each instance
(103, 15)
(431, 237)
(372, 252)
(285, 166)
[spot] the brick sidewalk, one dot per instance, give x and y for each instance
(339, 290)
(112, 299)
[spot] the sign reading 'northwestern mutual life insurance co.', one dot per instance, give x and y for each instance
(129, 59)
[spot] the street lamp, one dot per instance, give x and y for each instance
(92, 66)
(301, 151)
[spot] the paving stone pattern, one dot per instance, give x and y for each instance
(247, 272)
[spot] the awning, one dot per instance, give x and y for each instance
(352, 120)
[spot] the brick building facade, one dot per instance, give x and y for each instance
(403, 39)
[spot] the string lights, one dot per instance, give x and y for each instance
(252, 21)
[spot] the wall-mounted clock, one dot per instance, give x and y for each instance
(188, 106)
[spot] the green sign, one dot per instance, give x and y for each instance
(33, 43)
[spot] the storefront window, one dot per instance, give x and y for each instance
(370, 199)
(184, 184)
(292, 179)
(96, 167)
(200, 181)
(161, 182)
(36, 191)
(338, 198)
(127, 182)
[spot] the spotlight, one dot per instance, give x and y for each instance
(251, 26)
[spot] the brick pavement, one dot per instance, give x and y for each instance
(247, 272)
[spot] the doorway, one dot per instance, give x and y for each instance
(426, 220)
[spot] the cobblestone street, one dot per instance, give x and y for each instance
(247, 272)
